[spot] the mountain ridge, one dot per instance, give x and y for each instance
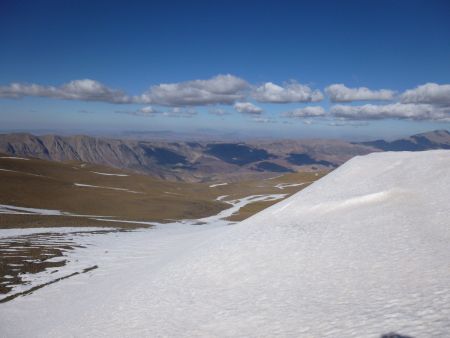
(186, 161)
(436, 139)
(206, 161)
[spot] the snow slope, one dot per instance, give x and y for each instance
(362, 252)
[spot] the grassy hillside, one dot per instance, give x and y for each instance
(86, 189)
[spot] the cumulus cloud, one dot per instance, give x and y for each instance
(85, 90)
(429, 101)
(310, 111)
(221, 89)
(431, 93)
(340, 93)
(289, 92)
(426, 102)
(393, 111)
(225, 89)
(247, 108)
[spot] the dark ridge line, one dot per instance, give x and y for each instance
(30, 291)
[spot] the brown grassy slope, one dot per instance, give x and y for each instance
(50, 185)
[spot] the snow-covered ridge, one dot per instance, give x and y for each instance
(362, 252)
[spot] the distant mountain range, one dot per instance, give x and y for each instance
(438, 139)
(209, 161)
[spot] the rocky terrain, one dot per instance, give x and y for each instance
(207, 161)
(438, 139)
(187, 161)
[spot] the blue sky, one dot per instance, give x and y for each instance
(245, 66)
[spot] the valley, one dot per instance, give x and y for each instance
(83, 194)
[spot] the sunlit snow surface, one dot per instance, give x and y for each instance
(360, 253)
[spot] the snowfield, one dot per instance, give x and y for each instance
(5, 233)
(362, 252)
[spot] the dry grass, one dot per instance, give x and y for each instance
(50, 185)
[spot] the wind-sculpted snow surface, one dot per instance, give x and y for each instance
(360, 253)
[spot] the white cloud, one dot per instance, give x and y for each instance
(221, 89)
(85, 90)
(147, 111)
(426, 102)
(150, 111)
(218, 112)
(310, 111)
(92, 91)
(180, 112)
(346, 123)
(247, 108)
(429, 101)
(289, 92)
(340, 93)
(393, 111)
(431, 93)
(263, 120)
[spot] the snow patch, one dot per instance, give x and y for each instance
(220, 198)
(11, 209)
(4, 233)
(217, 185)
(15, 210)
(21, 172)
(103, 187)
(109, 174)
(282, 186)
(273, 178)
(15, 158)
